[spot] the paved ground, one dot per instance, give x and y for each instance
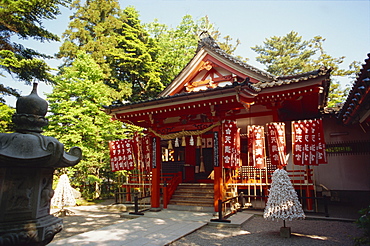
(255, 231)
(87, 218)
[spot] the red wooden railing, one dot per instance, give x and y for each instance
(142, 185)
(170, 181)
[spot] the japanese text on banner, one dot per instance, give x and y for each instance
(231, 146)
(277, 144)
(256, 146)
(308, 142)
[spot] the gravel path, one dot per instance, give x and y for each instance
(258, 231)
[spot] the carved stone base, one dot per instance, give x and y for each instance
(37, 232)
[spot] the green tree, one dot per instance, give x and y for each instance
(6, 113)
(337, 95)
(176, 46)
(22, 20)
(134, 61)
(290, 55)
(285, 55)
(92, 30)
(117, 41)
(76, 118)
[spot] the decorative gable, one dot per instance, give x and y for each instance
(212, 67)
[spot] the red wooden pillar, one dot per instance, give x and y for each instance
(308, 189)
(156, 174)
(217, 167)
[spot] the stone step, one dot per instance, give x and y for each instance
(185, 191)
(191, 208)
(192, 196)
(195, 185)
(191, 203)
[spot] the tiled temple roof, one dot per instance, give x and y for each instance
(356, 106)
(210, 43)
(286, 80)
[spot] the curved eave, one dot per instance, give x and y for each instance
(356, 108)
(245, 91)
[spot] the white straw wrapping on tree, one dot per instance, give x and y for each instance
(63, 195)
(283, 200)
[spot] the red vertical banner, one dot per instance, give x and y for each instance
(277, 144)
(321, 146)
(308, 142)
(124, 155)
(298, 142)
(113, 156)
(256, 146)
(129, 154)
(236, 152)
(312, 129)
(137, 153)
(231, 146)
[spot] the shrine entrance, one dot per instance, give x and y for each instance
(194, 162)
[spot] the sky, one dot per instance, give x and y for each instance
(344, 24)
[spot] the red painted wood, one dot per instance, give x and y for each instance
(156, 177)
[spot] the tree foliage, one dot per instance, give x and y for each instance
(22, 20)
(289, 54)
(135, 62)
(6, 114)
(176, 46)
(118, 42)
(76, 117)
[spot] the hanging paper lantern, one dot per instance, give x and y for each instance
(177, 143)
(191, 141)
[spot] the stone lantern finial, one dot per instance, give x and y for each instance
(30, 112)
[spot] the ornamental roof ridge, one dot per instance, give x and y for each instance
(211, 44)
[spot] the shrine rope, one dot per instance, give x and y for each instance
(184, 133)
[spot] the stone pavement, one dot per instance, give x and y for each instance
(153, 228)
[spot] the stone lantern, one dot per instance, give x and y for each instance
(27, 162)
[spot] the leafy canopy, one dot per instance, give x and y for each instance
(22, 20)
(6, 114)
(76, 118)
(118, 42)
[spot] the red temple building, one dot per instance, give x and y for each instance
(223, 126)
